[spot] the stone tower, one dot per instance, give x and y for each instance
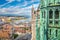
(33, 22)
(50, 20)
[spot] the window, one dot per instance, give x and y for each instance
(56, 22)
(50, 14)
(44, 14)
(56, 32)
(50, 31)
(50, 22)
(57, 14)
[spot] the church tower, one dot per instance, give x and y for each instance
(50, 20)
(33, 22)
(36, 23)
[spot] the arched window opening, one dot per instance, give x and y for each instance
(50, 14)
(57, 14)
(50, 31)
(56, 32)
(44, 14)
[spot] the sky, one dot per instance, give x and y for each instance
(22, 7)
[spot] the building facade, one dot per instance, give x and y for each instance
(50, 20)
(22, 28)
(5, 32)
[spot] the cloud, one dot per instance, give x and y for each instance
(24, 4)
(13, 0)
(34, 5)
(10, 0)
(17, 10)
(18, 0)
(27, 3)
(4, 4)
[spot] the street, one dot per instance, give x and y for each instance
(25, 37)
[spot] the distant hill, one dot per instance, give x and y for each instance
(15, 15)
